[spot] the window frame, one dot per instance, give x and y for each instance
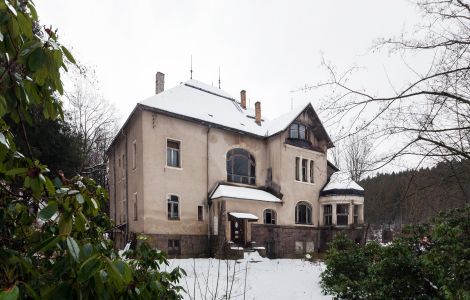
(134, 155)
(341, 214)
(328, 215)
(304, 170)
(171, 205)
(136, 215)
(273, 217)
(230, 164)
(297, 128)
(297, 168)
(200, 216)
(179, 151)
(308, 211)
(174, 247)
(356, 214)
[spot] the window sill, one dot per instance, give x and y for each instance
(304, 182)
(173, 219)
(174, 168)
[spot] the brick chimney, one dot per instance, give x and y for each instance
(243, 99)
(258, 112)
(159, 82)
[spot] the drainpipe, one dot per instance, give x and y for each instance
(114, 183)
(208, 200)
(127, 190)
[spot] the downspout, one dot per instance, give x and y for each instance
(208, 200)
(114, 196)
(127, 190)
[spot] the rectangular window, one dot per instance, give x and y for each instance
(356, 214)
(294, 131)
(327, 215)
(124, 210)
(200, 213)
(135, 207)
(173, 207)
(304, 170)
(173, 154)
(297, 166)
(302, 132)
(311, 171)
(174, 247)
(134, 155)
(342, 213)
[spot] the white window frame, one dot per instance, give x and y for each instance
(180, 167)
(168, 197)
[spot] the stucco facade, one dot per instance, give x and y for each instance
(143, 179)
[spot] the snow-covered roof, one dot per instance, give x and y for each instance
(199, 101)
(239, 192)
(246, 216)
(341, 183)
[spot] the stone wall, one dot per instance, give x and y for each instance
(285, 241)
(190, 245)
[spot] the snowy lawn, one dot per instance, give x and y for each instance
(265, 279)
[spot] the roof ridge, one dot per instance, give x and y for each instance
(207, 91)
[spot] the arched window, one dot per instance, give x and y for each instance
(269, 216)
(240, 166)
(173, 207)
(303, 213)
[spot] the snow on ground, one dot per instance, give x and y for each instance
(265, 278)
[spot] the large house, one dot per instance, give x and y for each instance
(201, 174)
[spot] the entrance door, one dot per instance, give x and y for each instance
(237, 230)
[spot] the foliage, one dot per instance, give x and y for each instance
(415, 196)
(53, 243)
(425, 262)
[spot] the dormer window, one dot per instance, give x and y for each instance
(299, 132)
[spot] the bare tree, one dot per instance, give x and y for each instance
(430, 116)
(92, 118)
(358, 156)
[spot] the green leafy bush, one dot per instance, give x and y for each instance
(53, 243)
(425, 262)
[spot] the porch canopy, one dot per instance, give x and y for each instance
(245, 193)
(244, 216)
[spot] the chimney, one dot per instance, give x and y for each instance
(243, 99)
(258, 112)
(159, 82)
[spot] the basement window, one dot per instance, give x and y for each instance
(174, 247)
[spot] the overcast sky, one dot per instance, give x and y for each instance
(268, 48)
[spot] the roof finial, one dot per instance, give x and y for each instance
(191, 71)
(219, 77)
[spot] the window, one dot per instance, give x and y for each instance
(342, 212)
(134, 155)
(174, 247)
(356, 214)
(298, 131)
(173, 207)
(241, 166)
(200, 213)
(135, 207)
(269, 216)
(311, 172)
(297, 173)
(303, 213)
(304, 169)
(123, 209)
(328, 214)
(173, 154)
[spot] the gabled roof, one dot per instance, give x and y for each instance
(245, 193)
(197, 101)
(341, 184)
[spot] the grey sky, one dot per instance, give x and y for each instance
(266, 47)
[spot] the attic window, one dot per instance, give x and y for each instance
(299, 132)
